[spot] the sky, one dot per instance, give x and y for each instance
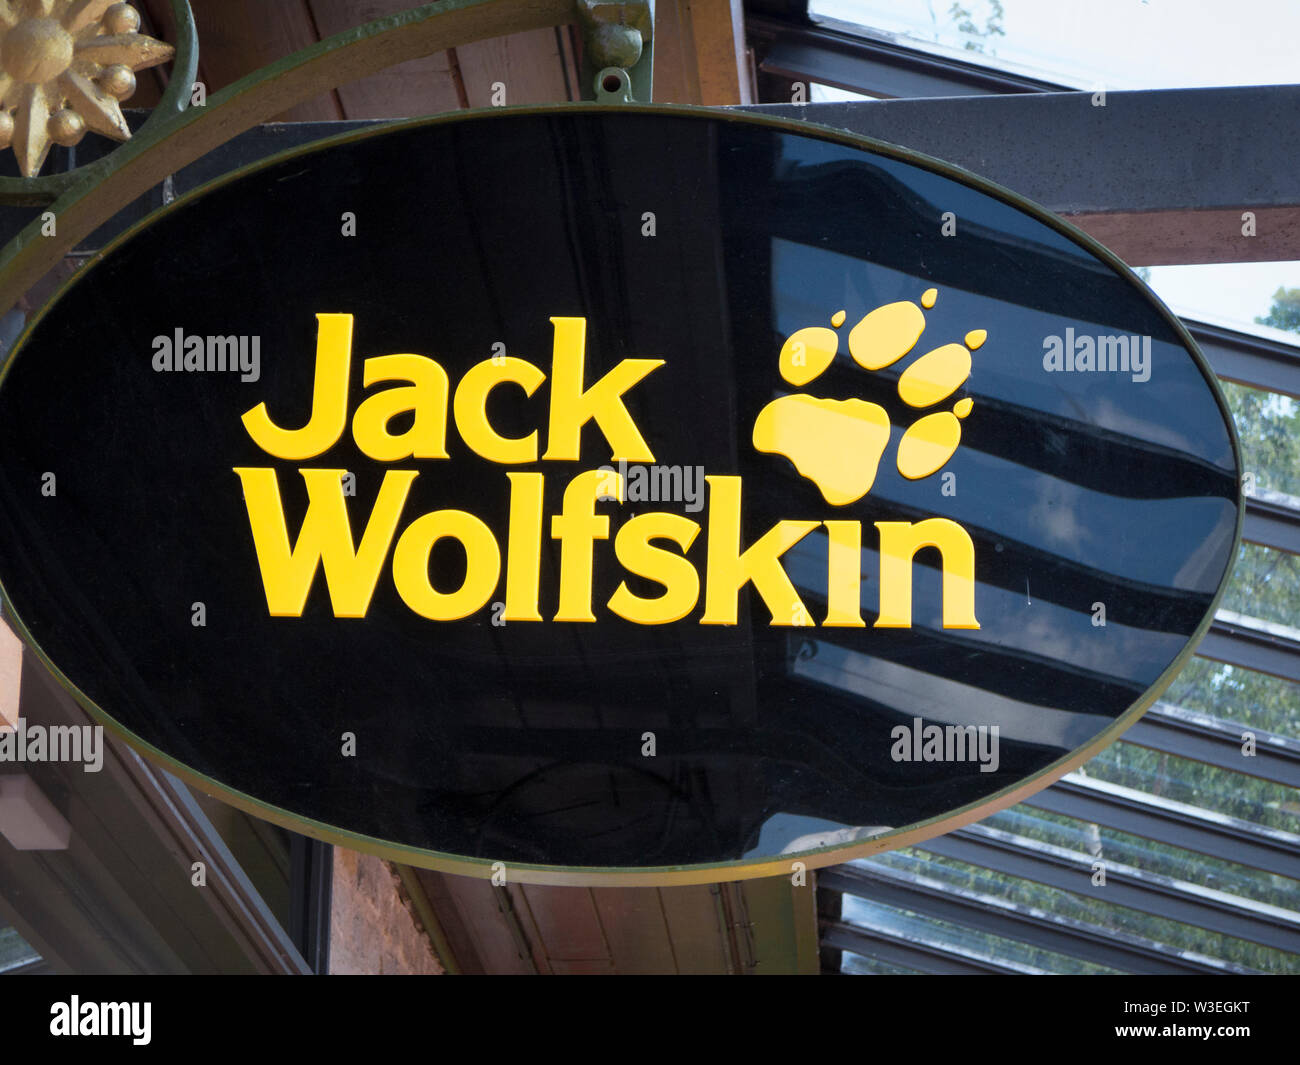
(1127, 44)
(1116, 44)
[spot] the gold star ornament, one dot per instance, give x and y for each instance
(65, 65)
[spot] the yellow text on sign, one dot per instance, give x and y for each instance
(425, 396)
(650, 545)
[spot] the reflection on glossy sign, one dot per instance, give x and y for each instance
(685, 504)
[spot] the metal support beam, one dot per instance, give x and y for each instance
(1217, 912)
(1272, 525)
(1075, 939)
(311, 878)
(874, 67)
(1207, 156)
(1242, 641)
(1178, 824)
(1249, 360)
(927, 956)
(1201, 738)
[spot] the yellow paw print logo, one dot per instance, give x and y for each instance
(838, 443)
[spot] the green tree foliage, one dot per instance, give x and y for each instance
(1268, 426)
(978, 36)
(1285, 312)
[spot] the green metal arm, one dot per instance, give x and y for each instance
(177, 134)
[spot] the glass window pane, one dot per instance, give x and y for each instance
(1265, 584)
(1197, 784)
(1240, 695)
(1147, 855)
(1254, 298)
(822, 94)
(14, 950)
(861, 965)
(1269, 428)
(1029, 895)
(970, 941)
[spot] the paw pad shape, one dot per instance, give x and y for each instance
(838, 443)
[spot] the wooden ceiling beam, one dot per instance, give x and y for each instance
(523, 68)
(699, 53)
(237, 37)
(424, 86)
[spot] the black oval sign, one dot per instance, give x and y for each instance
(647, 494)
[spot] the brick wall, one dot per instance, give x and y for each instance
(373, 930)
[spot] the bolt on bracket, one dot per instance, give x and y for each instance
(618, 49)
